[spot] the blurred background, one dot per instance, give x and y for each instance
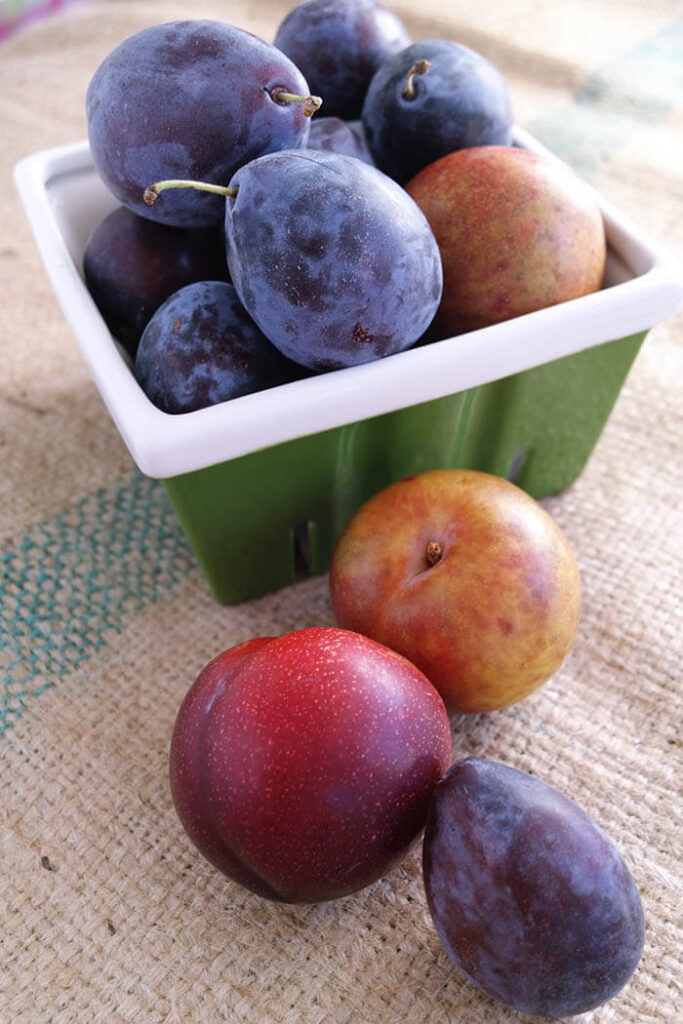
(15, 14)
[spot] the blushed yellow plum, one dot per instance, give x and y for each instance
(517, 232)
(467, 576)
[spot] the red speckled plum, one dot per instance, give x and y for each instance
(302, 766)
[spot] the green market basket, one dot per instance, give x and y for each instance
(264, 484)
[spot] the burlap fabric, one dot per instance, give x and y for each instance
(107, 913)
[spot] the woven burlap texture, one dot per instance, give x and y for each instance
(109, 915)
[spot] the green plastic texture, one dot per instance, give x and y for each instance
(259, 522)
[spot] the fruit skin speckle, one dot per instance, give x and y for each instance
(302, 766)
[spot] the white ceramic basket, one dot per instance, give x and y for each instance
(64, 198)
(265, 482)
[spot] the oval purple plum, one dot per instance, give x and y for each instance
(529, 897)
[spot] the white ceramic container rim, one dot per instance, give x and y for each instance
(164, 445)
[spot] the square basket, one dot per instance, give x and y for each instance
(263, 484)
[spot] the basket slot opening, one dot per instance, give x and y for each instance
(517, 464)
(302, 548)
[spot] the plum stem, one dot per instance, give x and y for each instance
(310, 103)
(151, 194)
(420, 67)
(434, 552)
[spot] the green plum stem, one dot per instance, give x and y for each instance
(151, 194)
(420, 67)
(310, 103)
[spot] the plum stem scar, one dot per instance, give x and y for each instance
(434, 552)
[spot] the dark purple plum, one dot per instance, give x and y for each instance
(337, 136)
(338, 45)
(190, 99)
(430, 99)
(529, 897)
(332, 259)
(201, 348)
(131, 265)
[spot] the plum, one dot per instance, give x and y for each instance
(302, 766)
(201, 347)
(192, 98)
(131, 265)
(517, 232)
(467, 575)
(333, 260)
(529, 897)
(432, 98)
(338, 45)
(337, 136)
